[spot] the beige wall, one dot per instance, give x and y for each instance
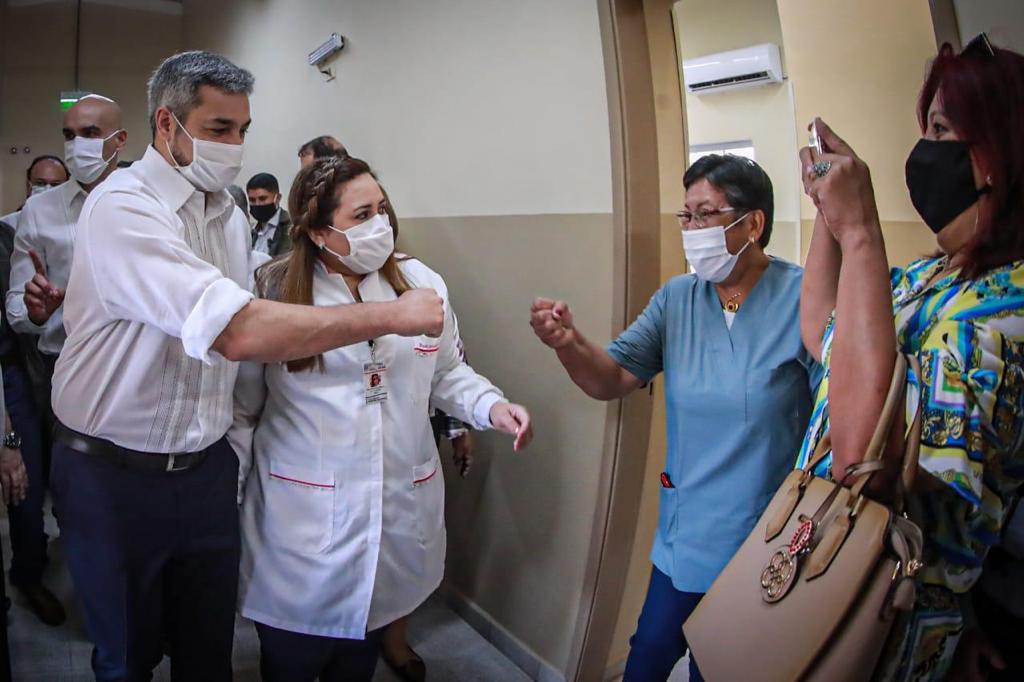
(763, 114)
(864, 80)
(488, 122)
(519, 525)
(38, 41)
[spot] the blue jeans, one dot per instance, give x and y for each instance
(28, 541)
(658, 643)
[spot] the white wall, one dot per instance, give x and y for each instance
(465, 107)
(1003, 20)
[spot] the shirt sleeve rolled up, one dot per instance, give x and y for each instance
(145, 272)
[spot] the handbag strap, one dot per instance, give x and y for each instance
(893, 402)
(878, 439)
(821, 451)
(912, 450)
(896, 399)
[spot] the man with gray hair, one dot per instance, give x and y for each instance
(158, 315)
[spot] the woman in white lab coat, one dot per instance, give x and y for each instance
(342, 507)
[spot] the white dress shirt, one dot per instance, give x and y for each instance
(343, 511)
(159, 271)
(47, 225)
(263, 236)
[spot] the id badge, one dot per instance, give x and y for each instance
(375, 386)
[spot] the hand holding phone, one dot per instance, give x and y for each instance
(815, 141)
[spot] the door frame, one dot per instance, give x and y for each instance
(637, 273)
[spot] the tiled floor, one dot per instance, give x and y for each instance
(452, 650)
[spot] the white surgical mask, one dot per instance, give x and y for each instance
(215, 165)
(369, 245)
(707, 253)
(84, 157)
(39, 189)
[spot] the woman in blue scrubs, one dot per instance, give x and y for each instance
(738, 387)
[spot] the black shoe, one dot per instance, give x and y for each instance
(412, 670)
(43, 603)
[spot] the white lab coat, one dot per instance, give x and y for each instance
(342, 513)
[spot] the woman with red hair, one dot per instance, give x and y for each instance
(961, 313)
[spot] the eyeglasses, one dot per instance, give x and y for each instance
(979, 44)
(688, 220)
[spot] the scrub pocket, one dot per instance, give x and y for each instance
(299, 506)
(774, 393)
(667, 507)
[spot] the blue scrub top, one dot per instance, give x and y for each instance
(737, 404)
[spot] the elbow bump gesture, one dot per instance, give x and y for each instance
(422, 312)
(552, 322)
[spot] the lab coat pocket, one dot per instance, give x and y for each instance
(301, 502)
(428, 491)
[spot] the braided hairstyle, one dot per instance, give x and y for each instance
(312, 201)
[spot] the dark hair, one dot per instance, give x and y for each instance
(745, 184)
(263, 181)
(322, 147)
(312, 201)
(45, 157)
(176, 82)
(983, 98)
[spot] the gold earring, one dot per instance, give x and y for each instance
(988, 180)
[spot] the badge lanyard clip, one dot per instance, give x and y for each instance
(375, 387)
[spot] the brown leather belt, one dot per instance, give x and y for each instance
(126, 457)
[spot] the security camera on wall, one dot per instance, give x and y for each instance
(322, 54)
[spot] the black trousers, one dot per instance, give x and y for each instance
(151, 552)
(294, 657)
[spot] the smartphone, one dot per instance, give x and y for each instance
(815, 140)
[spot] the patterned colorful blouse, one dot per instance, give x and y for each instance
(969, 338)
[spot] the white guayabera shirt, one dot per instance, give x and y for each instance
(159, 270)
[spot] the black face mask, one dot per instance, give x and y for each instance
(941, 181)
(263, 212)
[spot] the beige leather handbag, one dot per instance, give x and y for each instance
(813, 592)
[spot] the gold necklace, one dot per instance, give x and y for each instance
(731, 305)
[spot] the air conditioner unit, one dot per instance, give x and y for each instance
(755, 65)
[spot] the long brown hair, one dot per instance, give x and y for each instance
(312, 201)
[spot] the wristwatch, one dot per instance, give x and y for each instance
(12, 441)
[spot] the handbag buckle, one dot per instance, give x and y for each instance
(778, 576)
